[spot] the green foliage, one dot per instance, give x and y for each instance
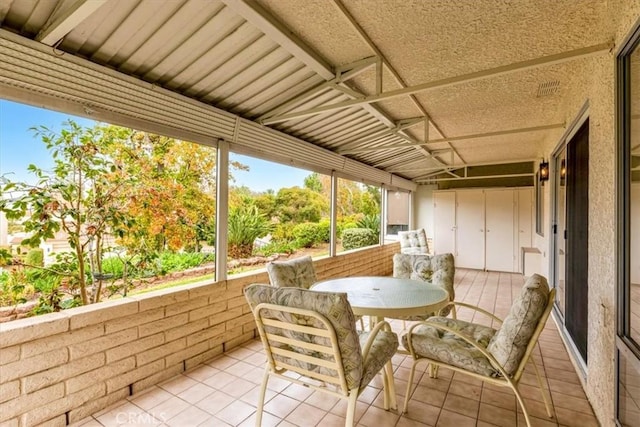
(313, 183)
(354, 238)
(372, 222)
(35, 257)
(278, 248)
(309, 234)
(283, 232)
(299, 205)
(171, 262)
(14, 289)
(245, 225)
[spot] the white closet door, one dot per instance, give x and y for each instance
(444, 213)
(500, 253)
(525, 223)
(470, 229)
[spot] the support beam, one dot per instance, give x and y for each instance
(456, 167)
(460, 138)
(512, 175)
(62, 22)
(451, 81)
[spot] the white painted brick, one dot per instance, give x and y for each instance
(89, 379)
(134, 347)
(95, 405)
(162, 325)
(116, 382)
(186, 329)
(203, 357)
(80, 350)
(9, 390)
(61, 406)
(225, 315)
(208, 310)
(161, 298)
(159, 352)
(63, 372)
(32, 328)
(206, 334)
(39, 363)
(205, 291)
(9, 354)
(53, 342)
(97, 313)
(157, 378)
(26, 402)
(14, 422)
(185, 306)
(118, 324)
(180, 356)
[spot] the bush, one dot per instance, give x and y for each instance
(245, 225)
(372, 222)
(354, 238)
(283, 232)
(309, 234)
(278, 248)
(170, 261)
(35, 257)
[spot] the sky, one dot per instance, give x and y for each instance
(19, 148)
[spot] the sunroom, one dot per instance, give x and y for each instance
(506, 130)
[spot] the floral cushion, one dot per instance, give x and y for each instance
(413, 242)
(437, 269)
(510, 343)
(438, 345)
(382, 350)
(297, 273)
(334, 306)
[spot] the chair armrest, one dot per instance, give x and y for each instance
(462, 336)
(475, 308)
(372, 337)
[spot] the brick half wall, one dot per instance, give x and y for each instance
(63, 367)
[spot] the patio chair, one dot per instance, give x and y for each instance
(497, 356)
(297, 273)
(413, 242)
(313, 334)
(436, 269)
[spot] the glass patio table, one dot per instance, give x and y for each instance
(390, 297)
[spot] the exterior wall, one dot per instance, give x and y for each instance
(65, 366)
(597, 87)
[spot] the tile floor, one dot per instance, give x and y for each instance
(224, 391)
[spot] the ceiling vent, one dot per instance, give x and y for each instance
(548, 88)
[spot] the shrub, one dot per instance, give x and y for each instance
(278, 248)
(354, 238)
(245, 225)
(35, 257)
(372, 222)
(170, 261)
(283, 232)
(309, 234)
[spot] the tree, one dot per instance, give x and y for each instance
(313, 183)
(298, 205)
(80, 196)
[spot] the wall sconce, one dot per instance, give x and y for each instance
(544, 171)
(563, 169)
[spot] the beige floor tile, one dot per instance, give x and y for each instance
(240, 368)
(571, 418)
(268, 420)
(178, 384)
(559, 386)
(298, 392)
(463, 389)
(196, 393)
(220, 380)
(461, 405)
(281, 405)
(375, 417)
(573, 403)
(236, 412)
(215, 402)
(428, 395)
(322, 400)
(502, 400)
(201, 373)
(498, 416)
(238, 387)
(169, 408)
(332, 420)
(189, 417)
(150, 398)
(453, 419)
(306, 415)
(422, 412)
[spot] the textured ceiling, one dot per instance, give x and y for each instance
(267, 59)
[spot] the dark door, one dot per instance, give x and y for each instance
(577, 238)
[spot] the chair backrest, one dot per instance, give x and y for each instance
(436, 269)
(515, 340)
(308, 332)
(413, 242)
(297, 273)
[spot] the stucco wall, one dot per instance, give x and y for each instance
(597, 87)
(65, 366)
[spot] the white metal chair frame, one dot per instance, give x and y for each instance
(504, 380)
(278, 368)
